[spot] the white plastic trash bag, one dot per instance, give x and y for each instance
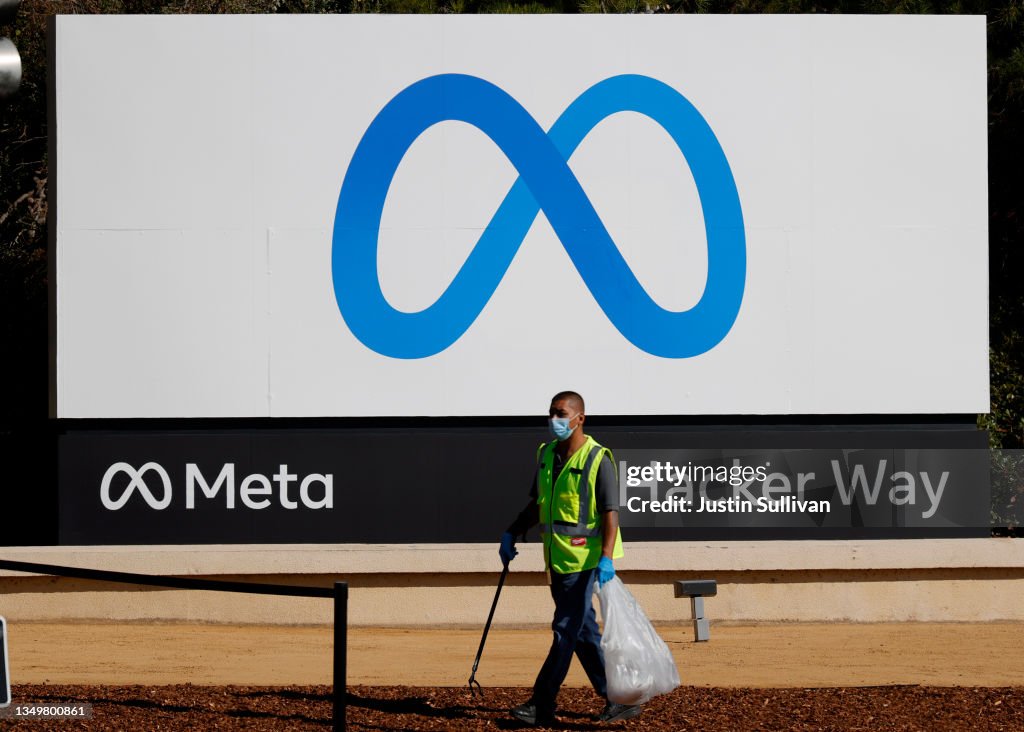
(638, 664)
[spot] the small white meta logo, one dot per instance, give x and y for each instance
(138, 483)
(315, 490)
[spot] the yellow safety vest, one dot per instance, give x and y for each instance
(570, 523)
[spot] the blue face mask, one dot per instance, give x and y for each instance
(559, 428)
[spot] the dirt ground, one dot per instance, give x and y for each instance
(760, 656)
(908, 676)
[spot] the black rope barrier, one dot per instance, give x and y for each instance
(339, 593)
(181, 583)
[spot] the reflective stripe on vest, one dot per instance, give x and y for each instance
(587, 491)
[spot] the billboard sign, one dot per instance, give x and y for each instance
(410, 216)
(351, 485)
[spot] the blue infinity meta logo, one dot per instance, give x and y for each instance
(545, 183)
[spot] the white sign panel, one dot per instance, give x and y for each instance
(436, 215)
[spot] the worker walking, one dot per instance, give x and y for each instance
(574, 499)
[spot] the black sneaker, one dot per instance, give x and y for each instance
(530, 714)
(619, 712)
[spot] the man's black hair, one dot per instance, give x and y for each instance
(572, 397)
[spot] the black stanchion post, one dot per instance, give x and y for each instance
(340, 653)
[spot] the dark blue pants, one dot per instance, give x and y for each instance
(575, 631)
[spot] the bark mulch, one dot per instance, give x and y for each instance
(400, 708)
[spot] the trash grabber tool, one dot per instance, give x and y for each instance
(487, 627)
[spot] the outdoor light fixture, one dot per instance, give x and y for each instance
(10, 61)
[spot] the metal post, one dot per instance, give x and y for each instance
(701, 627)
(5, 675)
(340, 653)
(697, 590)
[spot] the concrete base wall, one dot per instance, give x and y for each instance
(966, 580)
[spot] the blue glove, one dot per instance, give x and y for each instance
(508, 550)
(605, 571)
